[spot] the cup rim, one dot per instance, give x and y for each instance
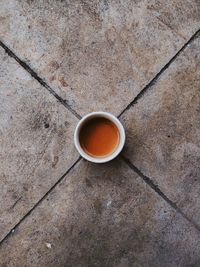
(119, 126)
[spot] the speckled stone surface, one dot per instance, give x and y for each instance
(182, 17)
(36, 147)
(97, 55)
(103, 215)
(56, 211)
(163, 131)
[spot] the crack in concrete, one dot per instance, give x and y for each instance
(15, 203)
(37, 203)
(39, 79)
(150, 183)
(157, 76)
(170, 27)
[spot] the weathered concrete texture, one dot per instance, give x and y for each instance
(36, 142)
(97, 54)
(102, 215)
(163, 131)
(182, 17)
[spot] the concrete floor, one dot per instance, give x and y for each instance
(140, 60)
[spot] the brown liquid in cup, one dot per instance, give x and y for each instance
(99, 137)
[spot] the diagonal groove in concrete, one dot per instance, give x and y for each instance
(38, 78)
(38, 202)
(157, 76)
(150, 183)
(62, 101)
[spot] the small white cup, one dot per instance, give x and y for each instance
(113, 119)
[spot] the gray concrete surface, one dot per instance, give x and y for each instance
(163, 130)
(97, 54)
(64, 58)
(36, 134)
(106, 217)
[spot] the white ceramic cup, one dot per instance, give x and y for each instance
(113, 119)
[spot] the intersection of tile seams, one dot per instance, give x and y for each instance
(163, 131)
(95, 55)
(36, 142)
(102, 215)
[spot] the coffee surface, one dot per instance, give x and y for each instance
(99, 137)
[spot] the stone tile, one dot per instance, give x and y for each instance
(182, 17)
(36, 142)
(97, 55)
(102, 215)
(163, 131)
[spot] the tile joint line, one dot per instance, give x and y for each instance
(62, 101)
(157, 76)
(150, 183)
(38, 78)
(38, 202)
